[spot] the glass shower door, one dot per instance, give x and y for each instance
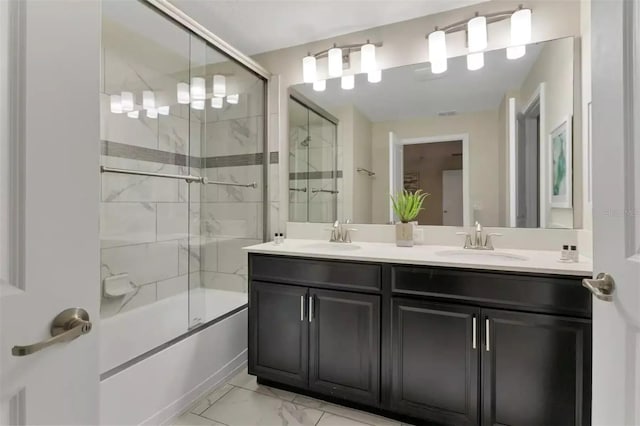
(322, 169)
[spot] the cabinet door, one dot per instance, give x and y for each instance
(435, 361)
(344, 345)
(535, 369)
(278, 333)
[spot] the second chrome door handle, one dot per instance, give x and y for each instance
(310, 308)
(475, 332)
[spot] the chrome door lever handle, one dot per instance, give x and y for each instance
(602, 286)
(66, 326)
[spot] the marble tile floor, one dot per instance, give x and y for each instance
(244, 402)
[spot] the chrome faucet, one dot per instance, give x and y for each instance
(477, 243)
(340, 233)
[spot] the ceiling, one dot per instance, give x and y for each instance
(413, 91)
(257, 26)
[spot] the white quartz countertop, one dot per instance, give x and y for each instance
(533, 261)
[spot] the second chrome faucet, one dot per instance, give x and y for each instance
(476, 243)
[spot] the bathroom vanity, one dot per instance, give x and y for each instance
(424, 336)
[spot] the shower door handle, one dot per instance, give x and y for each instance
(66, 326)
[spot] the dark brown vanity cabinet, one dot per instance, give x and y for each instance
(431, 345)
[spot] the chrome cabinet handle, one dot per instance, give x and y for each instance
(301, 308)
(487, 334)
(310, 308)
(475, 337)
(66, 326)
(602, 286)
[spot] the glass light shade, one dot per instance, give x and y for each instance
(116, 104)
(148, 99)
(477, 34)
(335, 62)
(475, 61)
(183, 93)
(521, 27)
(164, 110)
(309, 73)
(368, 58)
(127, 100)
(438, 52)
(374, 76)
(197, 104)
(219, 86)
(233, 99)
(152, 113)
(515, 52)
(320, 85)
(348, 82)
(216, 102)
(133, 114)
(198, 89)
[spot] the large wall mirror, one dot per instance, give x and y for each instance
(500, 145)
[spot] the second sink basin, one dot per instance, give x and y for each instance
(332, 246)
(480, 255)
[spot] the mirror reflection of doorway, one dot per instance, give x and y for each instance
(436, 168)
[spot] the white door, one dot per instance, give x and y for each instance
(452, 198)
(49, 207)
(396, 170)
(616, 209)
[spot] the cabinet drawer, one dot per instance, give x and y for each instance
(318, 273)
(537, 293)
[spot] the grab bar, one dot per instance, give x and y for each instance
(363, 170)
(328, 191)
(188, 178)
(298, 189)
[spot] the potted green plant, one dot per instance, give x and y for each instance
(407, 205)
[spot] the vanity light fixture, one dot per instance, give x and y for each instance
(438, 51)
(477, 33)
(133, 114)
(368, 58)
(216, 102)
(348, 82)
(197, 104)
(164, 110)
(183, 93)
(233, 99)
(219, 86)
(520, 33)
(198, 89)
(148, 100)
(334, 56)
(309, 72)
(374, 76)
(320, 85)
(152, 113)
(116, 104)
(127, 100)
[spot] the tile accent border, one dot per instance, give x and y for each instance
(315, 175)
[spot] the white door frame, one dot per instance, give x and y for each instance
(464, 137)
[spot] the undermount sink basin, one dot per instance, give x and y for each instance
(479, 255)
(332, 246)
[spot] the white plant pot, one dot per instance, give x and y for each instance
(404, 234)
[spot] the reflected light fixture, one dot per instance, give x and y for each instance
(216, 102)
(152, 113)
(348, 82)
(374, 76)
(515, 52)
(133, 114)
(198, 89)
(477, 34)
(368, 58)
(219, 86)
(309, 72)
(197, 104)
(148, 99)
(233, 99)
(116, 104)
(164, 110)
(475, 61)
(183, 93)
(127, 100)
(335, 61)
(438, 51)
(320, 85)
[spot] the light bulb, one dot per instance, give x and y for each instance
(198, 89)
(374, 76)
(148, 99)
(368, 58)
(183, 93)
(309, 73)
(164, 110)
(438, 52)
(320, 85)
(477, 32)
(348, 82)
(197, 104)
(335, 62)
(521, 27)
(152, 113)
(515, 52)
(116, 104)
(475, 61)
(219, 86)
(233, 99)
(216, 103)
(127, 100)
(133, 114)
